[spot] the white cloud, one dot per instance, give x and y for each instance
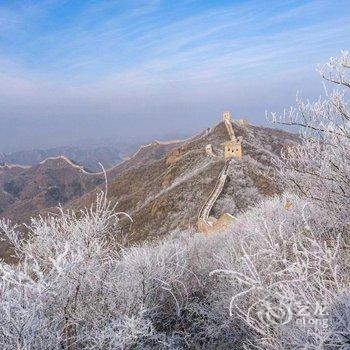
(124, 58)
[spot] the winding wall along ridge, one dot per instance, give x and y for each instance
(204, 213)
(205, 224)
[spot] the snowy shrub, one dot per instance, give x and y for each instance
(74, 287)
(283, 260)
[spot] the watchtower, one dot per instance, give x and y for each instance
(226, 116)
(233, 147)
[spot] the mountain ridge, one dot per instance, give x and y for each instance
(162, 185)
(153, 194)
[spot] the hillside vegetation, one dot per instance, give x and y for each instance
(278, 278)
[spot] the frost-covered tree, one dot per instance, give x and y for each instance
(319, 169)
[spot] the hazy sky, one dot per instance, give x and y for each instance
(93, 70)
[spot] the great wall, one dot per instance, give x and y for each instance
(232, 148)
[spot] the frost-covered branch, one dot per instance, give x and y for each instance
(319, 168)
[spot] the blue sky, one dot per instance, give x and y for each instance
(73, 70)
